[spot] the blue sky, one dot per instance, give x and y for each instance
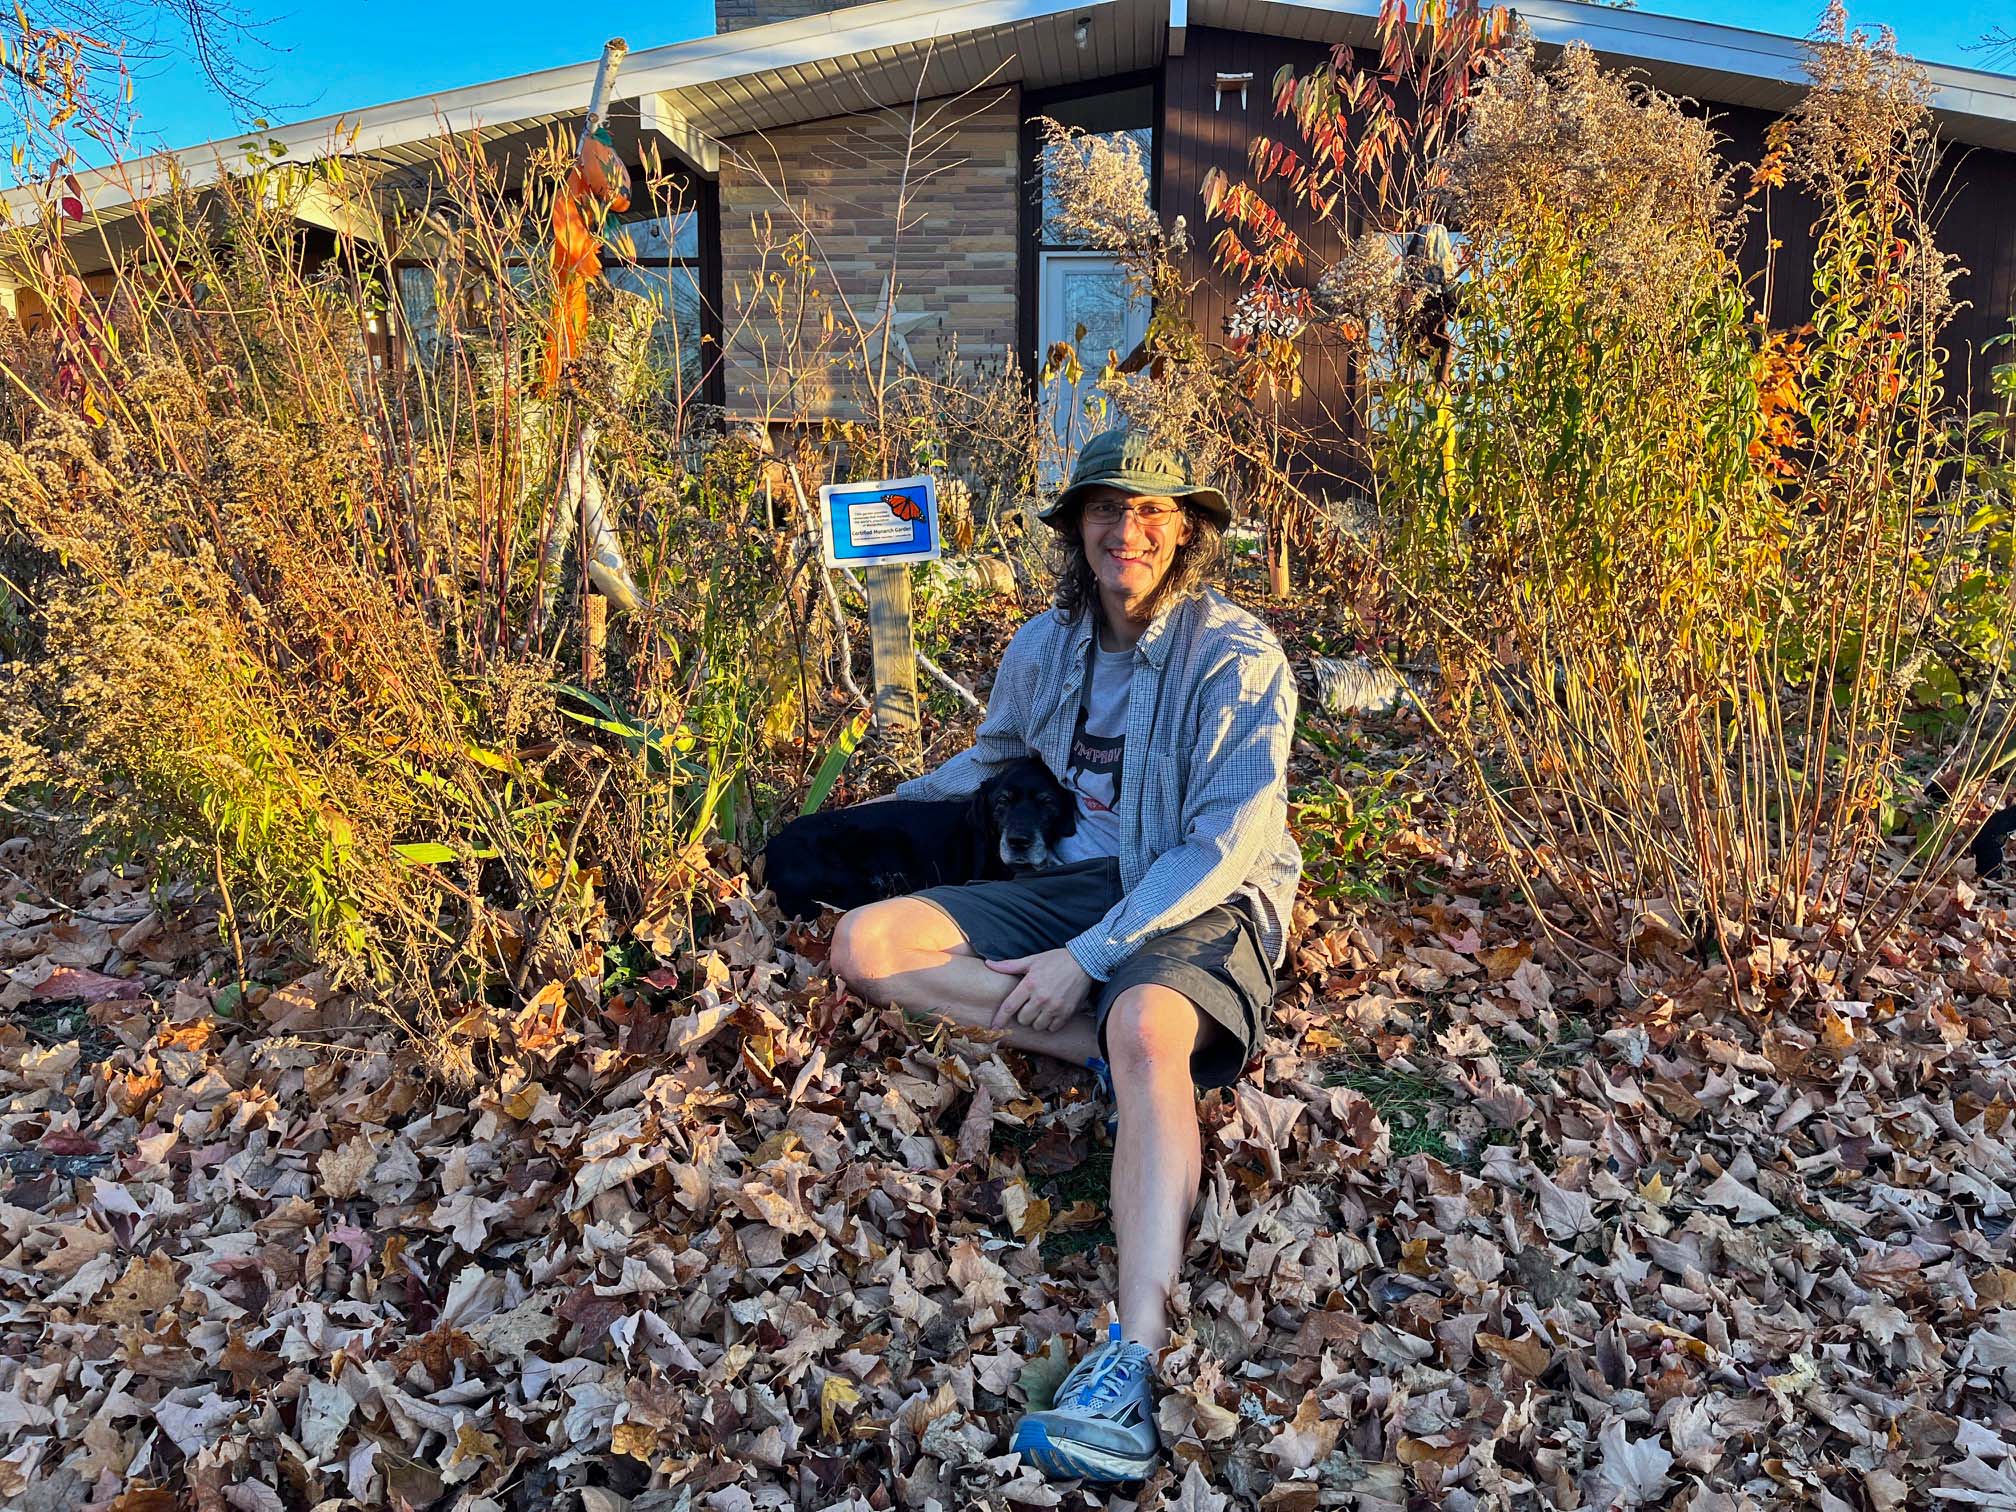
(330, 58)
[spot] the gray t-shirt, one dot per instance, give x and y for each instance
(1097, 745)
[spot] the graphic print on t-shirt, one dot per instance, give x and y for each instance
(1092, 768)
(1093, 772)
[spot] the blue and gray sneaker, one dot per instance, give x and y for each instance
(1101, 1426)
(1102, 1078)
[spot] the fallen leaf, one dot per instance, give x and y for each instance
(70, 984)
(636, 1440)
(1039, 1379)
(836, 1395)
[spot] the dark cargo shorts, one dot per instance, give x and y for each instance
(1215, 960)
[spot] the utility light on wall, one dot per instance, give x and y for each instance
(1082, 32)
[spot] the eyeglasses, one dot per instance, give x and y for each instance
(1108, 512)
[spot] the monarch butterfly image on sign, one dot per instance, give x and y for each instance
(881, 521)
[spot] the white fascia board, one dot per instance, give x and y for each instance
(832, 34)
(347, 215)
(1636, 36)
(657, 115)
(1640, 36)
(563, 90)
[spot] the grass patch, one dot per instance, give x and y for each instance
(1420, 1139)
(1064, 1243)
(1091, 1180)
(57, 1024)
(1407, 1102)
(1840, 1234)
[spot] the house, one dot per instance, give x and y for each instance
(801, 115)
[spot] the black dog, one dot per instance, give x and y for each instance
(882, 850)
(1986, 846)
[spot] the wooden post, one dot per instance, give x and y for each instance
(1277, 558)
(597, 639)
(893, 646)
(614, 51)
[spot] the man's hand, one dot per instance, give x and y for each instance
(1053, 987)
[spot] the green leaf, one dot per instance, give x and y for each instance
(835, 762)
(424, 853)
(495, 760)
(1045, 1372)
(613, 726)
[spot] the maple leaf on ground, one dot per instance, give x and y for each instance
(1563, 1214)
(343, 1169)
(1976, 1483)
(71, 984)
(324, 1411)
(982, 1284)
(1196, 1494)
(1043, 1373)
(247, 1367)
(1726, 1191)
(1629, 1474)
(1306, 1440)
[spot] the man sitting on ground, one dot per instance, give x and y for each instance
(1149, 955)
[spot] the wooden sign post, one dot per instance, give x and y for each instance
(892, 646)
(881, 527)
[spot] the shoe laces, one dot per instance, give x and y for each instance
(1113, 1370)
(1102, 1076)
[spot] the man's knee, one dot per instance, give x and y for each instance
(1150, 1028)
(860, 953)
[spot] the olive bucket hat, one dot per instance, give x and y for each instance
(1130, 461)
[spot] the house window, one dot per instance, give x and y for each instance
(658, 256)
(420, 313)
(1081, 297)
(1116, 115)
(652, 251)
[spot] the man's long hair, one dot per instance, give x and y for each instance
(1193, 570)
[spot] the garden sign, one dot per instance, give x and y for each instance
(881, 523)
(881, 527)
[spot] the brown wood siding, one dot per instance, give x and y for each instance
(1200, 132)
(1979, 227)
(1976, 224)
(1781, 215)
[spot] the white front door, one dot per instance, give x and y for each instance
(1085, 300)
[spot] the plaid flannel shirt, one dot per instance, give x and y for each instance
(1204, 776)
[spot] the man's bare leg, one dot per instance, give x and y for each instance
(1157, 1155)
(907, 953)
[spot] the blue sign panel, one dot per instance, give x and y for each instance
(880, 523)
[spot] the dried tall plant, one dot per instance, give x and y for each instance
(1673, 570)
(315, 587)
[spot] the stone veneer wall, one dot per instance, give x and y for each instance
(957, 258)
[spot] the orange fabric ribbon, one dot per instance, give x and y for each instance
(599, 182)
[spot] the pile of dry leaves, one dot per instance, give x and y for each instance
(1476, 1235)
